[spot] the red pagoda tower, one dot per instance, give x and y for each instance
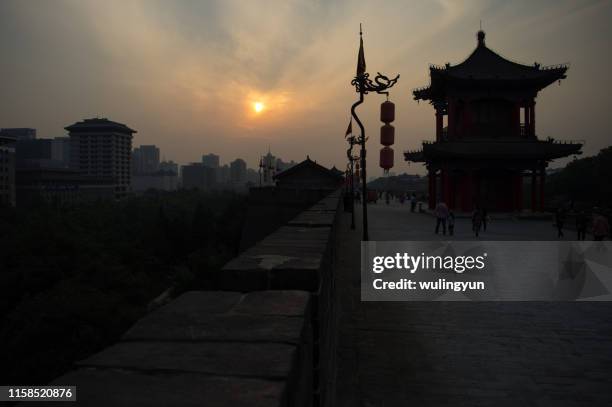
(489, 144)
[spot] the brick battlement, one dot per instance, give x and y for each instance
(265, 338)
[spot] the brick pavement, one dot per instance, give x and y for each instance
(466, 354)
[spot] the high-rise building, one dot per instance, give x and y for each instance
(7, 171)
(197, 175)
(42, 152)
(18, 134)
(210, 161)
(145, 159)
(160, 180)
(222, 174)
(238, 171)
(253, 176)
(60, 151)
(169, 166)
(102, 148)
(33, 152)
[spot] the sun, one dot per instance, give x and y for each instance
(258, 107)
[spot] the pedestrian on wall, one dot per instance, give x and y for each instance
(441, 213)
(485, 218)
(451, 223)
(582, 222)
(601, 226)
(559, 222)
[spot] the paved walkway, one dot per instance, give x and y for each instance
(466, 354)
(396, 222)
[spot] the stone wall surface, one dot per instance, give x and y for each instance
(270, 208)
(265, 337)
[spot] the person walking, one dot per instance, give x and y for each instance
(476, 221)
(601, 226)
(560, 221)
(413, 202)
(441, 213)
(451, 223)
(581, 225)
(485, 218)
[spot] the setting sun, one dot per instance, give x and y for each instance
(258, 106)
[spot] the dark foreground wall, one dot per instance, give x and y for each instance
(265, 338)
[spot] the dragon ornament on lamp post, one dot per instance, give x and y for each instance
(364, 85)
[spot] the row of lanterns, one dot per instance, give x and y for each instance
(387, 135)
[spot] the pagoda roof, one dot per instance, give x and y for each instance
(485, 67)
(99, 125)
(495, 149)
(308, 163)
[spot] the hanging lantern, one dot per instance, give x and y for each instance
(386, 158)
(387, 135)
(387, 112)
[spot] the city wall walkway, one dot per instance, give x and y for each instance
(465, 354)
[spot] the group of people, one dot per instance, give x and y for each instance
(600, 226)
(445, 218)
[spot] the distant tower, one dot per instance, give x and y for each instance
(268, 166)
(102, 148)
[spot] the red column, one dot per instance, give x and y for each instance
(534, 183)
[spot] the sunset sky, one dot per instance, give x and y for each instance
(186, 74)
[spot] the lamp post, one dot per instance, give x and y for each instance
(352, 140)
(363, 85)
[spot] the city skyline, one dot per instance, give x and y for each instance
(187, 75)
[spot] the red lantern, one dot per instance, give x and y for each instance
(387, 135)
(387, 112)
(386, 158)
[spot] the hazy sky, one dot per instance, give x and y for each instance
(185, 74)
